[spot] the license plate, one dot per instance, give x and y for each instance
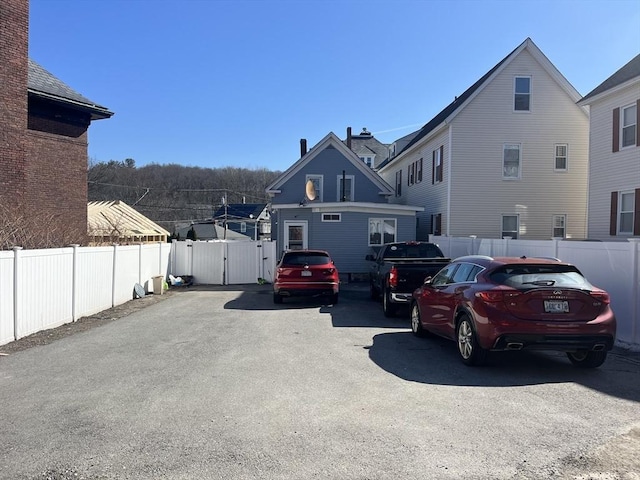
(556, 306)
(306, 273)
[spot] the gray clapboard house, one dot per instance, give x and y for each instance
(331, 200)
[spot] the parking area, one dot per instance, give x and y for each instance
(220, 383)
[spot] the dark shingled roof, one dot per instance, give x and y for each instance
(43, 84)
(240, 210)
(629, 71)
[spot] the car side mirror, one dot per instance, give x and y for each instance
(427, 280)
(370, 258)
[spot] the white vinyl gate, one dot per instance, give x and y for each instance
(224, 262)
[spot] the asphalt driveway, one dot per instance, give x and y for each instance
(220, 383)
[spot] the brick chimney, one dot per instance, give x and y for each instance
(349, 138)
(303, 147)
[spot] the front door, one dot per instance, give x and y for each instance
(295, 235)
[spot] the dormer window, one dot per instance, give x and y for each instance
(368, 160)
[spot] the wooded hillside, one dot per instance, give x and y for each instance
(170, 194)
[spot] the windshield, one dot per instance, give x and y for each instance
(306, 258)
(524, 277)
(423, 250)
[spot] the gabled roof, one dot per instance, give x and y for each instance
(451, 110)
(116, 218)
(330, 140)
(43, 84)
(240, 211)
(630, 71)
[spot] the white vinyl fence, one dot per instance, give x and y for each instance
(612, 266)
(224, 262)
(42, 289)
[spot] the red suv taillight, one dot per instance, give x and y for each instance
(496, 296)
(601, 296)
(328, 271)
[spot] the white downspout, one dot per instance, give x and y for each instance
(450, 163)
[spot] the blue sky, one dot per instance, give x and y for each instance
(215, 83)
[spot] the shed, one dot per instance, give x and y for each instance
(117, 222)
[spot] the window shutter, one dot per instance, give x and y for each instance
(616, 129)
(440, 170)
(613, 220)
(637, 133)
(420, 171)
(636, 214)
(439, 224)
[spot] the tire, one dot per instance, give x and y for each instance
(388, 308)
(277, 298)
(470, 351)
(586, 359)
(416, 327)
(373, 292)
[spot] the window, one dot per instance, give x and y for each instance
(436, 224)
(511, 161)
(510, 226)
(629, 119)
(625, 221)
(345, 188)
(243, 227)
(522, 94)
(317, 184)
(559, 226)
(437, 168)
(368, 161)
(331, 217)
(444, 276)
(466, 272)
(382, 230)
(398, 183)
(561, 157)
(419, 174)
(411, 174)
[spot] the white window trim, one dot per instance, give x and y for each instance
(325, 217)
(320, 178)
(564, 225)
(514, 93)
(381, 220)
(623, 126)
(620, 212)
(504, 147)
(555, 157)
(339, 190)
(517, 224)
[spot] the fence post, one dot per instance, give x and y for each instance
(555, 241)
(16, 278)
(160, 261)
(113, 275)
(74, 282)
(635, 286)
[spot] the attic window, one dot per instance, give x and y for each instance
(522, 94)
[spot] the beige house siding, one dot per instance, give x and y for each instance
(609, 171)
(432, 197)
(480, 195)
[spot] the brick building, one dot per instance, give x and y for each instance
(43, 143)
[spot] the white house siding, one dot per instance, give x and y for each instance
(609, 172)
(479, 195)
(433, 198)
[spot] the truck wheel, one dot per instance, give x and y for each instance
(388, 308)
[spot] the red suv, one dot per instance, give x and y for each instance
(306, 273)
(485, 303)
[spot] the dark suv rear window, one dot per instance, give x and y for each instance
(524, 277)
(300, 259)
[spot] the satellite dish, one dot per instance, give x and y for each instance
(310, 190)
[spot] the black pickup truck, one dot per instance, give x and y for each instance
(399, 268)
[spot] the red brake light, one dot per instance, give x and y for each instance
(393, 277)
(496, 296)
(328, 271)
(601, 296)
